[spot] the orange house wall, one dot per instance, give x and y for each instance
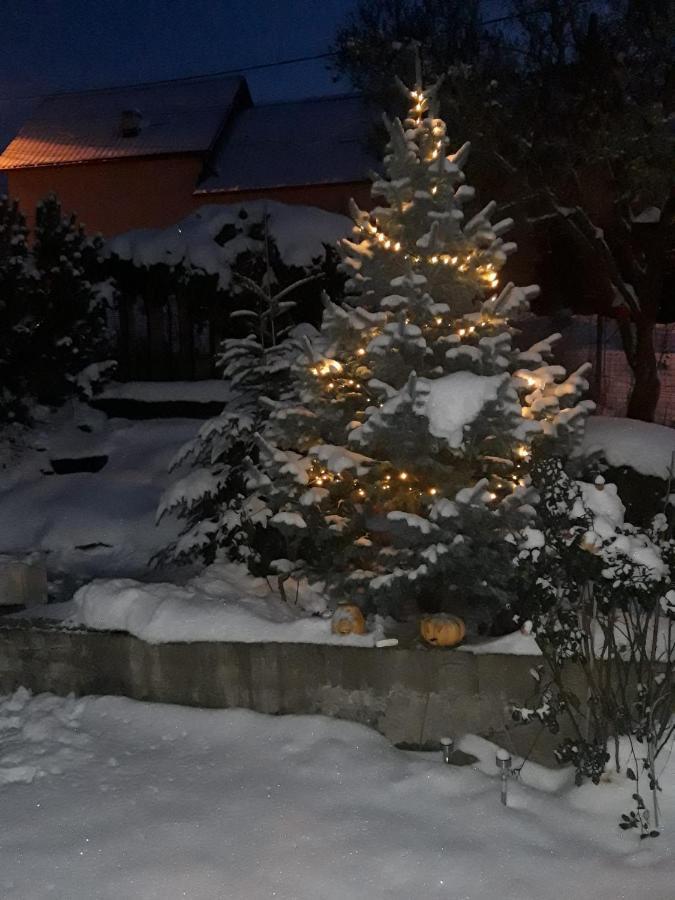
(113, 197)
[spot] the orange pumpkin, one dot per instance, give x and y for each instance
(589, 545)
(348, 619)
(442, 630)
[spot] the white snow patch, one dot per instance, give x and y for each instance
(300, 233)
(516, 644)
(224, 603)
(40, 736)
(649, 215)
(643, 446)
(173, 802)
(91, 524)
(456, 400)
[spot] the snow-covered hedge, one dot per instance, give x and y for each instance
(211, 239)
(176, 284)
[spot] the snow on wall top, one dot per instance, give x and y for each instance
(320, 141)
(175, 117)
(300, 233)
(224, 603)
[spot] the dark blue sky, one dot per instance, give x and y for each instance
(55, 45)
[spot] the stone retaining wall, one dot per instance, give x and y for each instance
(412, 696)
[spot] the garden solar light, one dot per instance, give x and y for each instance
(504, 766)
(447, 746)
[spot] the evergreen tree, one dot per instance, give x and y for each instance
(399, 472)
(573, 130)
(213, 498)
(69, 331)
(16, 284)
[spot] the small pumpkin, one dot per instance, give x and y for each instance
(442, 630)
(590, 543)
(348, 619)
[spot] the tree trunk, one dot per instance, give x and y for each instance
(647, 386)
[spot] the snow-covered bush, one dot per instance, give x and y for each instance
(214, 497)
(599, 595)
(178, 286)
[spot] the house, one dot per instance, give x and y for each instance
(148, 155)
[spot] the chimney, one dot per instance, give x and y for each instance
(130, 123)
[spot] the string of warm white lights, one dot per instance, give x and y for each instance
(471, 262)
(331, 370)
(341, 378)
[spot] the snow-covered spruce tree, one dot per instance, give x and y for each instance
(400, 471)
(68, 310)
(16, 286)
(213, 498)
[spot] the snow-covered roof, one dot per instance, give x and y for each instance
(183, 116)
(318, 141)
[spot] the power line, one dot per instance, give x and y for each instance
(259, 66)
(183, 78)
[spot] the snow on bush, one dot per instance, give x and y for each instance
(597, 592)
(300, 233)
(643, 446)
(455, 400)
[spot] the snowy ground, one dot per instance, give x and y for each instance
(92, 524)
(102, 525)
(108, 798)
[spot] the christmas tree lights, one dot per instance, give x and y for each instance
(414, 413)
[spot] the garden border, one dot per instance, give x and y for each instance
(412, 696)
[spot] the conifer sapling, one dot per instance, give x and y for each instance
(214, 498)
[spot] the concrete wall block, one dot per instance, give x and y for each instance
(413, 697)
(298, 676)
(502, 681)
(363, 706)
(23, 581)
(263, 675)
(353, 668)
(405, 717)
(454, 673)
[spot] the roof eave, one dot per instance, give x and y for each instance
(60, 164)
(274, 187)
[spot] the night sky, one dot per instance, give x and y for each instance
(57, 45)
